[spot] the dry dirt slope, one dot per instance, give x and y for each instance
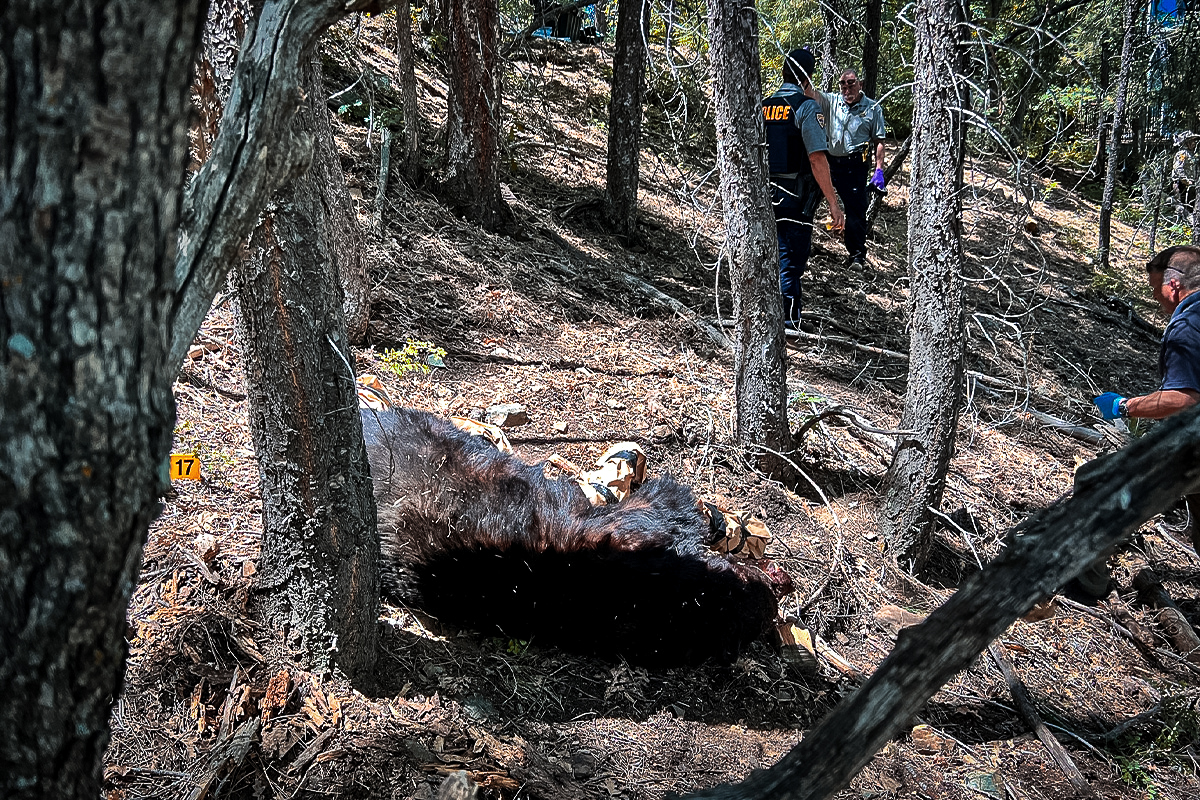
(211, 707)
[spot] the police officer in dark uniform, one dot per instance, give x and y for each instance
(797, 144)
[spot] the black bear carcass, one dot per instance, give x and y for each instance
(482, 540)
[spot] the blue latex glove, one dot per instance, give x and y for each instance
(877, 180)
(1108, 403)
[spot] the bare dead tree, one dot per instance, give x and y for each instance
(760, 377)
(1129, 12)
(473, 129)
(625, 116)
(916, 479)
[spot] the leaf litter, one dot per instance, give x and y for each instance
(212, 706)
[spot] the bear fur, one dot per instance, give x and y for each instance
(482, 540)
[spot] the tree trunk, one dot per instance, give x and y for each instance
(872, 30)
(1114, 142)
(253, 155)
(408, 89)
(343, 233)
(1196, 219)
(223, 35)
(832, 18)
(224, 31)
(916, 479)
(625, 117)
(303, 406)
(473, 114)
(433, 16)
(760, 379)
(93, 146)
(319, 583)
(1132, 486)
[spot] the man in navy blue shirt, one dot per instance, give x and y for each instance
(796, 147)
(1174, 276)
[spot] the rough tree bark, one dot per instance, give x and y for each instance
(1129, 488)
(93, 148)
(760, 379)
(224, 31)
(408, 89)
(831, 16)
(250, 159)
(1128, 14)
(872, 30)
(916, 479)
(100, 271)
(473, 114)
(318, 580)
(342, 231)
(318, 584)
(625, 116)
(223, 35)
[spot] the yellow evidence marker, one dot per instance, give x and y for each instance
(185, 466)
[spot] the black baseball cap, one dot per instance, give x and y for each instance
(799, 61)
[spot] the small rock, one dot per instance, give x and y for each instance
(583, 765)
(458, 786)
(927, 740)
(207, 547)
(561, 427)
(893, 618)
(508, 415)
(662, 432)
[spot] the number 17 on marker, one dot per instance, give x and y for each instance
(185, 466)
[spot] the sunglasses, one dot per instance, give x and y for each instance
(847, 83)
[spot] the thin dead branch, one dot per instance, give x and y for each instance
(1020, 695)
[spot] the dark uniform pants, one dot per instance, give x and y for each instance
(793, 229)
(849, 176)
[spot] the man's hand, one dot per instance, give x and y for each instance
(1109, 405)
(877, 180)
(839, 217)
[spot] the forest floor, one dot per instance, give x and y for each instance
(548, 318)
